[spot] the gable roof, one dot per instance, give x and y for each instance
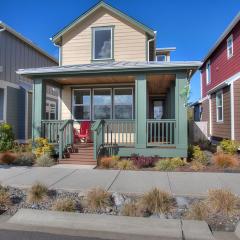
(138, 24)
(224, 34)
(4, 26)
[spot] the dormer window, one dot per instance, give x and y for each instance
(161, 58)
(230, 47)
(102, 44)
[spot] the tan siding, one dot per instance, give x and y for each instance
(222, 129)
(129, 42)
(66, 103)
(237, 109)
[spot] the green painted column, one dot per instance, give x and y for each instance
(141, 111)
(181, 112)
(38, 106)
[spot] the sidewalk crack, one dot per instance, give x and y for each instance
(113, 180)
(69, 174)
(169, 183)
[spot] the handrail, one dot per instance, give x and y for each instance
(65, 136)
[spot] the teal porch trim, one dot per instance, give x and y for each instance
(141, 110)
(38, 107)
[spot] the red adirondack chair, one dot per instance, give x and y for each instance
(84, 134)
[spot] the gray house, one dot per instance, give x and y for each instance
(16, 91)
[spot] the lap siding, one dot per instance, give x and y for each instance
(237, 109)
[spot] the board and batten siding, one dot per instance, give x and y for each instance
(129, 42)
(16, 54)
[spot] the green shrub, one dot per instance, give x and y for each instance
(64, 205)
(6, 137)
(45, 161)
(42, 147)
(229, 146)
(199, 156)
(169, 164)
(24, 159)
(197, 166)
(37, 193)
(125, 165)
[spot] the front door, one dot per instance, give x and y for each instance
(157, 109)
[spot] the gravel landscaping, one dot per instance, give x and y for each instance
(217, 222)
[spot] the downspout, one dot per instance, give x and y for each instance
(150, 40)
(59, 52)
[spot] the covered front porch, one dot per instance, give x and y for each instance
(142, 111)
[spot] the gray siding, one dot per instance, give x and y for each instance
(29, 115)
(16, 54)
(12, 109)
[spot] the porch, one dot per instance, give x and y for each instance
(141, 111)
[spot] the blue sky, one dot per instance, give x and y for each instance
(190, 25)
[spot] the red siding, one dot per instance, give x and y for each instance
(223, 68)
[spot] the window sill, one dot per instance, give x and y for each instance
(103, 60)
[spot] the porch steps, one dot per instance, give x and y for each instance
(84, 156)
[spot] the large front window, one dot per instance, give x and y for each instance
(82, 104)
(102, 43)
(102, 104)
(123, 103)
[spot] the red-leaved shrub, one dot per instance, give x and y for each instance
(142, 161)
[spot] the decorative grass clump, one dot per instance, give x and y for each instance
(169, 164)
(45, 161)
(108, 162)
(25, 159)
(157, 201)
(64, 205)
(222, 201)
(198, 211)
(224, 160)
(37, 193)
(125, 165)
(5, 200)
(7, 158)
(98, 199)
(197, 166)
(134, 209)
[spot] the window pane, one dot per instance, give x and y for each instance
(123, 111)
(82, 97)
(81, 112)
(1, 103)
(161, 58)
(102, 112)
(123, 97)
(219, 99)
(102, 44)
(102, 97)
(220, 117)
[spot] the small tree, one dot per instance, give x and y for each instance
(6, 137)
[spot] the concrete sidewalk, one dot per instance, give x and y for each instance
(177, 183)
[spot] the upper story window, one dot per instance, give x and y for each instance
(230, 47)
(102, 43)
(219, 106)
(161, 58)
(208, 72)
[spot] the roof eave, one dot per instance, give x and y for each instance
(57, 36)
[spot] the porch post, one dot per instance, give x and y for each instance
(141, 111)
(38, 106)
(181, 112)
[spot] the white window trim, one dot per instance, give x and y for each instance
(73, 103)
(94, 89)
(229, 38)
(113, 103)
(4, 104)
(208, 72)
(93, 43)
(219, 92)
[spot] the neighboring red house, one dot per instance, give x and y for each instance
(220, 85)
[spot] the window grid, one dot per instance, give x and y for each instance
(219, 106)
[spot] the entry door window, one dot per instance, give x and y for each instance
(51, 110)
(157, 109)
(1, 103)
